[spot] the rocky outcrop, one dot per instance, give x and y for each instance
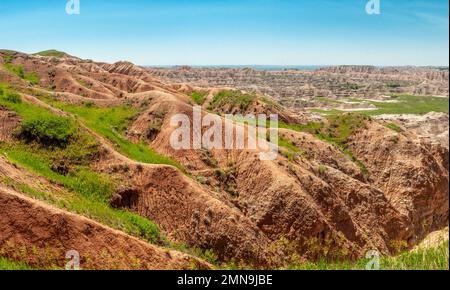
(413, 175)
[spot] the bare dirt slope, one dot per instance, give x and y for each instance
(412, 173)
(41, 235)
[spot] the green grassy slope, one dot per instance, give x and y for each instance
(425, 259)
(6, 264)
(406, 104)
(112, 123)
(68, 165)
(52, 52)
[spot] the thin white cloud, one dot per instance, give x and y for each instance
(433, 19)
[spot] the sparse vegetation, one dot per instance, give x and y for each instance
(336, 131)
(68, 166)
(208, 158)
(328, 100)
(393, 85)
(18, 70)
(112, 123)
(62, 160)
(52, 52)
(327, 111)
(408, 104)
(6, 264)
(339, 128)
(198, 97)
(227, 179)
(232, 99)
(424, 259)
(152, 131)
(205, 254)
(7, 56)
(84, 84)
(91, 190)
(313, 127)
(322, 169)
(394, 127)
(271, 102)
(292, 151)
(352, 86)
(11, 97)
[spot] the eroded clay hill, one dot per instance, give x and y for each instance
(322, 197)
(41, 236)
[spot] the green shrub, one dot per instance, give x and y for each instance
(9, 96)
(8, 57)
(199, 97)
(353, 86)
(323, 169)
(15, 69)
(84, 84)
(393, 85)
(89, 104)
(394, 127)
(32, 78)
(48, 130)
(112, 123)
(12, 97)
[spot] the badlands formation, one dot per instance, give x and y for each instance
(341, 184)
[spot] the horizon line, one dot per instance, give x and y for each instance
(284, 65)
(239, 65)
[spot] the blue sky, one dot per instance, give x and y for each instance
(230, 32)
